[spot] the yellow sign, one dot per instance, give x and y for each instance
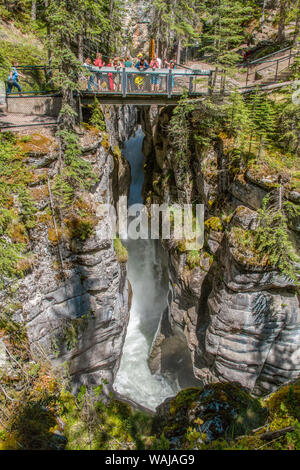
(139, 80)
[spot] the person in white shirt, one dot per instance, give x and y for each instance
(158, 60)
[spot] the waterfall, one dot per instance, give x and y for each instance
(149, 280)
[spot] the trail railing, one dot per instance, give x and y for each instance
(37, 79)
(268, 68)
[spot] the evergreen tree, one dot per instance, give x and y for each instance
(175, 21)
(239, 119)
(262, 120)
(223, 32)
(65, 20)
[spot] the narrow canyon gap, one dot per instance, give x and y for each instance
(148, 275)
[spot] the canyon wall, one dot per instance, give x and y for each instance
(75, 299)
(241, 319)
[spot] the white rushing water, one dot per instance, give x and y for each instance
(149, 283)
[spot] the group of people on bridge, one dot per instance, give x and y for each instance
(111, 81)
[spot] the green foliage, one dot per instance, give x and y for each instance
(160, 443)
(223, 30)
(26, 52)
(193, 259)
(289, 125)
(121, 251)
(271, 243)
(66, 23)
(272, 238)
(80, 228)
(175, 20)
(179, 134)
(77, 173)
(94, 424)
(17, 209)
(97, 119)
(73, 328)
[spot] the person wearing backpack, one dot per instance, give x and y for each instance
(13, 78)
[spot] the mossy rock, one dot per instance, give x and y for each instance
(215, 411)
(285, 402)
(226, 409)
(121, 251)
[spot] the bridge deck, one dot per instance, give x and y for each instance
(140, 99)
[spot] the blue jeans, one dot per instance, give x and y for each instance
(92, 82)
(12, 84)
(155, 79)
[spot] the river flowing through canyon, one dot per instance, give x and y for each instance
(149, 280)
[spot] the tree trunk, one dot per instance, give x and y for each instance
(297, 26)
(178, 51)
(46, 3)
(261, 146)
(262, 18)
(282, 18)
(80, 46)
(33, 10)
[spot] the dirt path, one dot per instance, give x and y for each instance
(18, 121)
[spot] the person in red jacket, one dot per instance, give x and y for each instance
(99, 63)
(110, 76)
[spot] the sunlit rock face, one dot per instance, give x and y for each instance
(79, 314)
(253, 335)
(137, 22)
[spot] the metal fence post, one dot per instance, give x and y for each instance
(277, 66)
(124, 82)
(191, 84)
(210, 81)
(169, 88)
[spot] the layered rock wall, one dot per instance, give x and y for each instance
(241, 320)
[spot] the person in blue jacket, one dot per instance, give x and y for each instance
(141, 81)
(142, 64)
(13, 78)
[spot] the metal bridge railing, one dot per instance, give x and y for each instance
(129, 81)
(40, 80)
(36, 79)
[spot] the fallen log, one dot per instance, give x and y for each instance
(270, 435)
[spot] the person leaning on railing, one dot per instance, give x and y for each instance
(171, 65)
(141, 65)
(91, 80)
(110, 76)
(128, 64)
(155, 79)
(99, 63)
(13, 78)
(117, 65)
